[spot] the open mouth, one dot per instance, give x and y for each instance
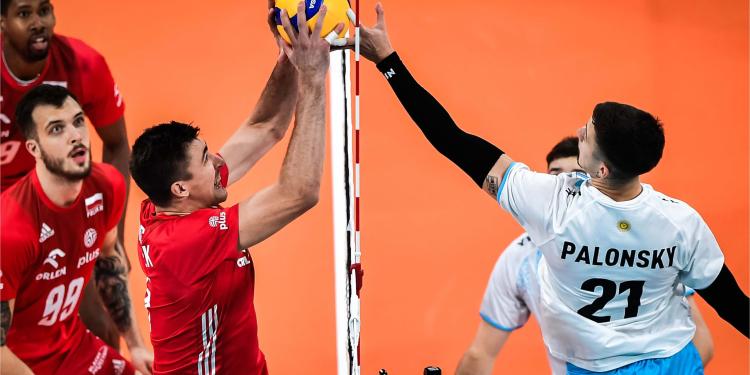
(39, 43)
(79, 154)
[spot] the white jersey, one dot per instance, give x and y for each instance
(513, 291)
(611, 272)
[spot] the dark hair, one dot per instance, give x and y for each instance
(159, 158)
(41, 95)
(631, 140)
(4, 5)
(567, 147)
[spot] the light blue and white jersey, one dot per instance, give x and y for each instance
(513, 291)
(611, 272)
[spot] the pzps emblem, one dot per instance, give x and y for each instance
(89, 237)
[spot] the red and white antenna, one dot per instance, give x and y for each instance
(345, 152)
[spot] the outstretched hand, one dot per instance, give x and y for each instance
(374, 43)
(308, 52)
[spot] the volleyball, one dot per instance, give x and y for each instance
(336, 14)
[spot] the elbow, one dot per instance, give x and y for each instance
(308, 200)
(304, 199)
(277, 133)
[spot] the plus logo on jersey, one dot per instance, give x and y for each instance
(94, 204)
(45, 233)
(220, 221)
(88, 257)
(52, 261)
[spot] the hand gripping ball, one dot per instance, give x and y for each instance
(336, 14)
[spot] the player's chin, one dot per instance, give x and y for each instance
(220, 195)
(78, 172)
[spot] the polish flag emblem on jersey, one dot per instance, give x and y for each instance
(94, 204)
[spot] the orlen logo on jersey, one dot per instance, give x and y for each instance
(52, 261)
(88, 257)
(244, 260)
(220, 221)
(94, 204)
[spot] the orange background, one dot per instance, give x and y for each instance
(520, 74)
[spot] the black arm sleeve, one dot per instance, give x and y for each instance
(472, 154)
(726, 297)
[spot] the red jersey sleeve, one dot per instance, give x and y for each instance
(206, 238)
(101, 101)
(17, 253)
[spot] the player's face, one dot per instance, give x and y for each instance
(205, 184)
(587, 150)
(62, 141)
(564, 165)
(27, 28)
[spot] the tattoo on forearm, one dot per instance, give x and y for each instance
(492, 184)
(4, 321)
(111, 281)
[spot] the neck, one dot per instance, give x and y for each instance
(182, 207)
(59, 190)
(19, 67)
(619, 191)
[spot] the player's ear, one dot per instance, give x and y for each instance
(32, 146)
(603, 170)
(179, 189)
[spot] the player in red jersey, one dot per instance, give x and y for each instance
(200, 275)
(31, 55)
(59, 223)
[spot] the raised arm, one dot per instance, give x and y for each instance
(112, 284)
(483, 162)
(11, 364)
(269, 120)
(298, 185)
(729, 301)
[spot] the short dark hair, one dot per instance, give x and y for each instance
(41, 95)
(631, 140)
(567, 147)
(159, 158)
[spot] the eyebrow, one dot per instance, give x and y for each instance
(58, 122)
(205, 151)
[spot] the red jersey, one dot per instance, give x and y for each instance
(72, 64)
(199, 293)
(48, 254)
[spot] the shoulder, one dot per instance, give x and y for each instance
(15, 214)
(677, 211)
(85, 58)
(105, 175)
(78, 48)
(517, 251)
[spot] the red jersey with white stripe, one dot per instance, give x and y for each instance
(199, 293)
(48, 253)
(73, 64)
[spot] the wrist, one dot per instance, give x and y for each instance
(382, 55)
(308, 79)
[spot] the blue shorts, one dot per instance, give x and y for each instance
(686, 361)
